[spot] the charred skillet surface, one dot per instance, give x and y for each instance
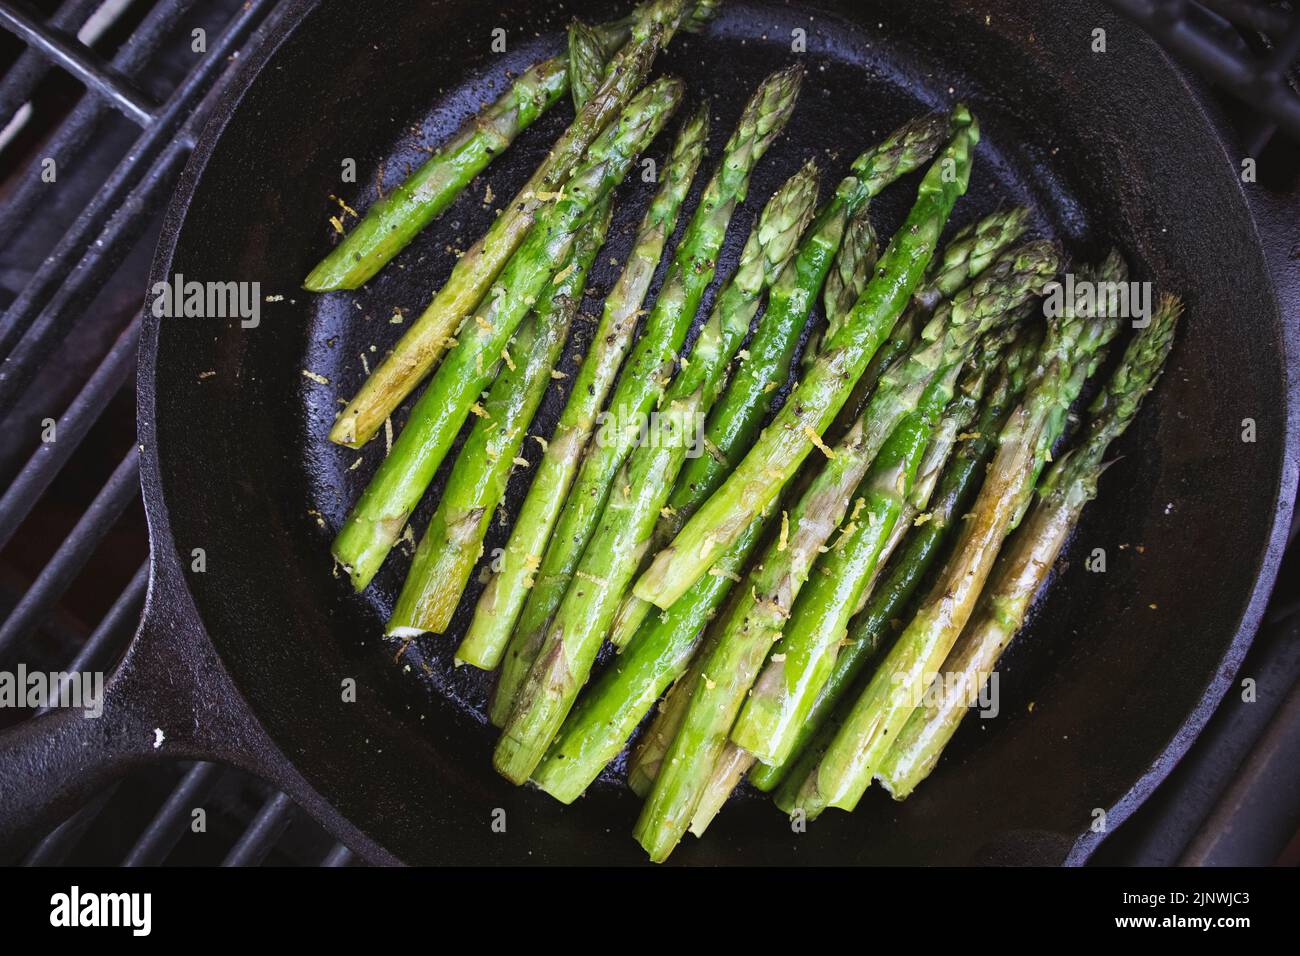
(1104, 150)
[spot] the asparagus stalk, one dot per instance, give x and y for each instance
(378, 518)
(453, 541)
(735, 761)
(752, 624)
(730, 768)
(665, 645)
(503, 598)
(392, 222)
(640, 384)
(430, 335)
(846, 280)
(870, 628)
(1068, 487)
(968, 253)
(905, 409)
(802, 659)
(847, 767)
(644, 481)
(785, 443)
(586, 62)
(734, 422)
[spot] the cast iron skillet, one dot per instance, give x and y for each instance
(245, 662)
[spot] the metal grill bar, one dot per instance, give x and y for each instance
(76, 131)
(1266, 19)
(260, 837)
(63, 839)
(48, 460)
(1263, 84)
(51, 323)
(122, 199)
(58, 574)
(30, 68)
(79, 60)
(339, 856)
(118, 624)
(168, 826)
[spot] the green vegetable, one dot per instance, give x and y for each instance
(785, 443)
(1029, 557)
(503, 598)
(436, 328)
(453, 541)
(642, 380)
(642, 485)
(377, 520)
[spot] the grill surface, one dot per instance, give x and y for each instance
(113, 92)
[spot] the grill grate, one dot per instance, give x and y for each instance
(68, 340)
(1249, 47)
(147, 86)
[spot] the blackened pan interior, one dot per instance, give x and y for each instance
(1105, 149)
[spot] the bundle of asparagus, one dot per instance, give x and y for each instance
(929, 403)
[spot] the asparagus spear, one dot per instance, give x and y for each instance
(685, 622)
(734, 423)
(586, 62)
(392, 222)
(870, 628)
(1068, 487)
(644, 481)
(905, 408)
(377, 520)
(639, 385)
(453, 541)
(751, 625)
(786, 441)
(802, 659)
(503, 598)
(1073, 343)
(735, 761)
(698, 482)
(429, 336)
(968, 253)
(729, 769)
(659, 654)
(846, 280)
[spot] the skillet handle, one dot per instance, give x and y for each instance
(169, 698)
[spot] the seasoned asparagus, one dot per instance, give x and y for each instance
(431, 334)
(503, 598)
(905, 409)
(734, 423)
(846, 769)
(802, 659)
(659, 653)
(454, 539)
(377, 520)
(786, 442)
(747, 631)
(1029, 556)
(869, 630)
(968, 253)
(640, 384)
(586, 62)
(644, 481)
